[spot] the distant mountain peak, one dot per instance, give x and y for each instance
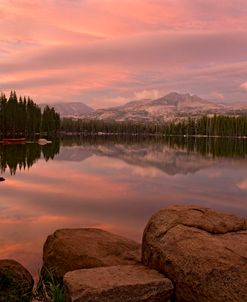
(171, 107)
(174, 98)
(70, 109)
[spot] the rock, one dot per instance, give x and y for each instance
(16, 283)
(43, 141)
(2, 179)
(203, 252)
(71, 249)
(123, 283)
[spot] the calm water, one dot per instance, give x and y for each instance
(116, 186)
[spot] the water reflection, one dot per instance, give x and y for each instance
(112, 184)
(216, 147)
(174, 155)
(23, 156)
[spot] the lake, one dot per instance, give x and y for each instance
(114, 184)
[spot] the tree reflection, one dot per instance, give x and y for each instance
(215, 147)
(23, 156)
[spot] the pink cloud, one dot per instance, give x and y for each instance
(111, 49)
(217, 95)
(244, 86)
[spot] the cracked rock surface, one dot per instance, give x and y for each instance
(202, 251)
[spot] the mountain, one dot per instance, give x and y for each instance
(173, 106)
(74, 109)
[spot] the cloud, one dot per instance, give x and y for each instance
(147, 94)
(108, 102)
(102, 51)
(244, 86)
(217, 95)
(242, 184)
(163, 49)
(120, 100)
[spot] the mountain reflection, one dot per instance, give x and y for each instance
(173, 155)
(23, 156)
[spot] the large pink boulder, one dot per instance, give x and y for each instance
(203, 252)
(122, 283)
(72, 249)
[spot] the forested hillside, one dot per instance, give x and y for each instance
(223, 126)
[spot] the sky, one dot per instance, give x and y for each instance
(107, 52)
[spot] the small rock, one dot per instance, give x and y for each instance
(123, 283)
(43, 141)
(2, 179)
(203, 252)
(71, 249)
(16, 283)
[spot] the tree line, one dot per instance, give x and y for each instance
(21, 117)
(223, 126)
(217, 125)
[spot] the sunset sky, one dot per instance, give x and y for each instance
(107, 52)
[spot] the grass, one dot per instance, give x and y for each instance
(49, 289)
